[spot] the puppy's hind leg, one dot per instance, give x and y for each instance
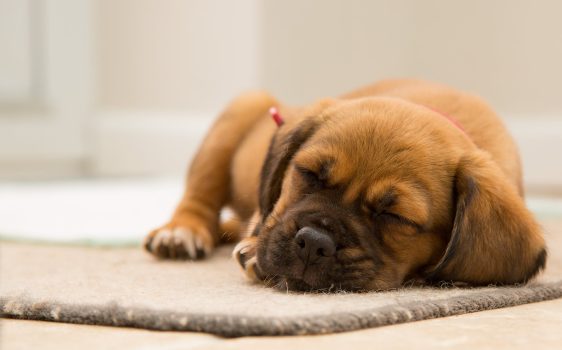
(230, 229)
(193, 230)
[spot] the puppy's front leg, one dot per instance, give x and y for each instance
(245, 252)
(245, 255)
(193, 231)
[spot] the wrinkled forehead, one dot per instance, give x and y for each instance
(387, 182)
(366, 147)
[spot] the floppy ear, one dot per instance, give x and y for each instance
(282, 148)
(494, 239)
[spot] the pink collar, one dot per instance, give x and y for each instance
(448, 117)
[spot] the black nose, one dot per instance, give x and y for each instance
(313, 245)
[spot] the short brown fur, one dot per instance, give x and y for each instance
(402, 192)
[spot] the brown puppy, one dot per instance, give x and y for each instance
(401, 180)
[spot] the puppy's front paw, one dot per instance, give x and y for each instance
(245, 254)
(180, 241)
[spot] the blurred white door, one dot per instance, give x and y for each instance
(46, 85)
(16, 66)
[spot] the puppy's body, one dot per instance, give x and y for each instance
(428, 149)
(477, 119)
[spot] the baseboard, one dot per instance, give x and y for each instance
(145, 144)
(540, 144)
(41, 168)
(130, 143)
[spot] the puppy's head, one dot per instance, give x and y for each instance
(374, 192)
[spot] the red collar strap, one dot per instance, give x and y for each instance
(274, 113)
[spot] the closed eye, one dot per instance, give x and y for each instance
(311, 178)
(396, 218)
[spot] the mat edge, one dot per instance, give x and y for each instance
(112, 314)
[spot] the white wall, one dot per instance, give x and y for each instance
(178, 64)
(144, 78)
(194, 55)
(510, 52)
(176, 55)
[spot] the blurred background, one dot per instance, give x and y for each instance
(103, 103)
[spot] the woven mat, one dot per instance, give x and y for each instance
(127, 287)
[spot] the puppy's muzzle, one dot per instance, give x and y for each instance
(313, 245)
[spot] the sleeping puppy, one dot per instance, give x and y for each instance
(399, 181)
